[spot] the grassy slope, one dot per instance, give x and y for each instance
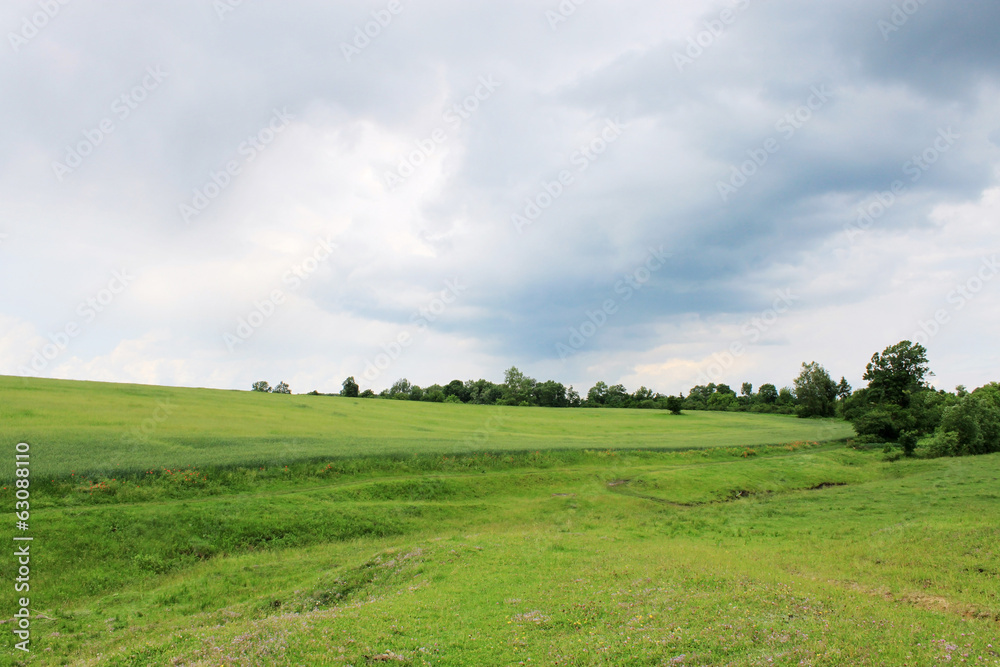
(800, 554)
(593, 560)
(90, 427)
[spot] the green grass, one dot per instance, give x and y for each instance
(797, 553)
(137, 427)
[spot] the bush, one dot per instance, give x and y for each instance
(452, 399)
(944, 443)
(908, 442)
(877, 426)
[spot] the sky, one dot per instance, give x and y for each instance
(663, 194)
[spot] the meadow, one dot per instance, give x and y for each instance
(385, 534)
(95, 427)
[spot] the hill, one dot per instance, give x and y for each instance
(93, 427)
(585, 537)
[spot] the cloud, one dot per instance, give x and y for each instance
(753, 139)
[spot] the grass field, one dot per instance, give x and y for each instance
(585, 547)
(135, 427)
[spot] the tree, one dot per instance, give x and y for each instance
(746, 389)
(674, 404)
(550, 394)
(897, 395)
(350, 388)
(815, 391)
(843, 389)
(617, 396)
(400, 389)
(721, 397)
(897, 373)
(262, 386)
(597, 395)
(484, 392)
(877, 424)
(282, 388)
(517, 387)
(723, 400)
(975, 422)
(573, 397)
(786, 398)
(458, 389)
(767, 394)
(434, 393)
(642, 394)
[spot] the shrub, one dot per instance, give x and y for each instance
(908, 442)
(944, 443)
(876, 423)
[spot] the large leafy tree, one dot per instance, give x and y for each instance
(897, 399)
(550, 394)
(597, 395)
(349, 388)
(457, 389)
(400, 389)
(767, 394)
(896, 374)
(517, 387)
(617, 396)
(972, 424)
(815, 391)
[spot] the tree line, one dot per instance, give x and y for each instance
(807, 398)
(898, 407)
